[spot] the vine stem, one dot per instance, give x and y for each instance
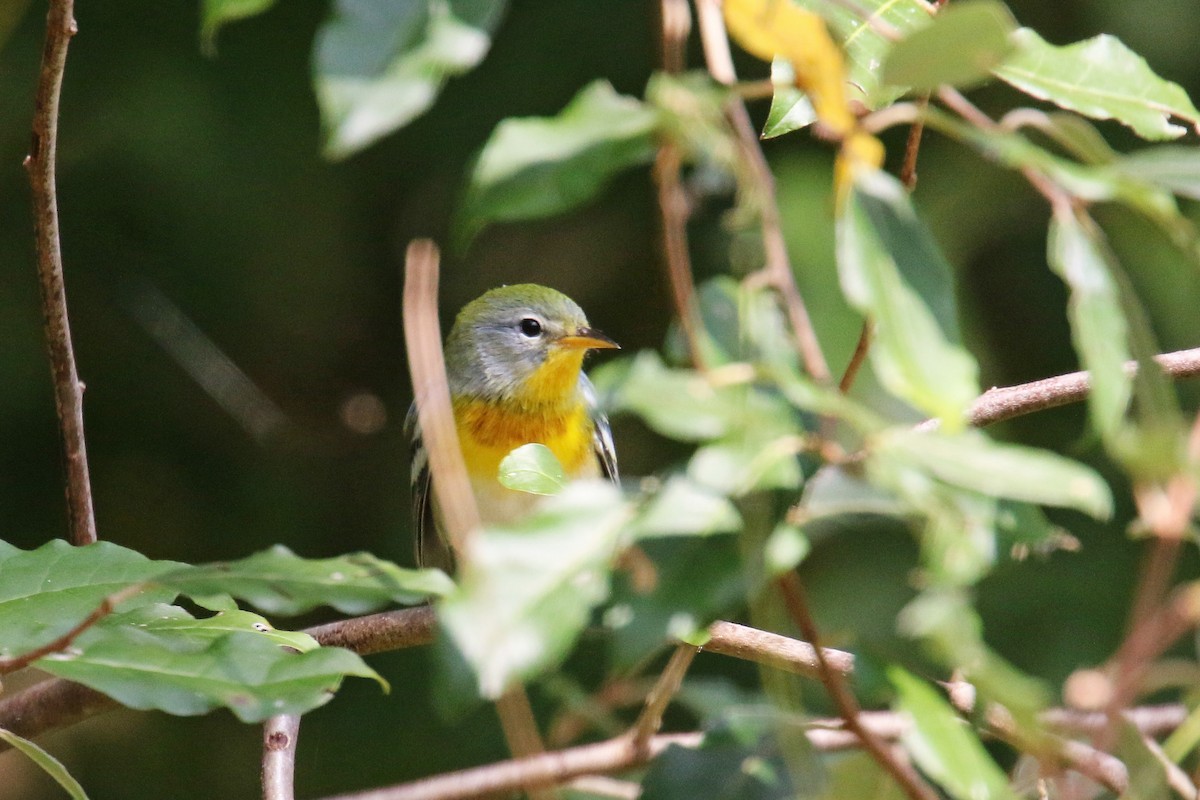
(40, 165)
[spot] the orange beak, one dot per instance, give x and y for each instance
(588, 339)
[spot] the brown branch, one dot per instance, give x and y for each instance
(773, 650)
(999, 404)
(379, 633)
(40, 164)
(547, 769)
(913, 785)
(280, 735)
(778, 268)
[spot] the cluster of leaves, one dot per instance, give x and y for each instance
(757, 421)
(148, 652)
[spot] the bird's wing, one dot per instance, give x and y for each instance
(428, 547)
(602, 440)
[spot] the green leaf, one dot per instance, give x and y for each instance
(378, 64)
(678, 403)
(1148, 779)
(526, 589)
(685, 508)
(942, 744)
(280, 582)
(46, 592)
(46, 762)
(833, 490)
(784, 549)
(541, 166)
(891, 269)
(866, 43)
(160, 657)
(1098, 326)
(1100, 78)
(791, 109)
(973, 461)
(960, 47)
(532, 468)
(1175, 168)
(214, 14)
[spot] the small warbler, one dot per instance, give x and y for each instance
(514, 360)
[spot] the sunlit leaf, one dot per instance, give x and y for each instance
(973, 461)
(867, 40)
(1148, 778)
(770, 28)
(1100, 78)
(216, 13)
(45, 762)
(784, 549)
(892, 270)
(1098, 327)
(944, 746)
(684, 508)
(160, 657)
(280, 582)
(678, 403)
(791, 109)
(378, 64)
(526, 589)
(532, 468)
(959, 47)
(539, 166)
(834, 490)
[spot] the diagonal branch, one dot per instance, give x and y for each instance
(40, 164)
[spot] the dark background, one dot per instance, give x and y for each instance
(195, 184)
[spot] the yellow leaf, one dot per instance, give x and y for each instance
(767, 28)
(859, 151)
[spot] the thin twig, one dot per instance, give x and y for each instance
(673, 204)
(913, 785)
(778, 268)
(912, 148)
(451, 485)
(40, 164)
(612, 755)
(999, 404)
(774, 650)
(650, 720)
(280, 735)
(858, 358)
(106, 607)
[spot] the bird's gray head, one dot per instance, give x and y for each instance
(501, 341)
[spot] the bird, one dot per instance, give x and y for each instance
(514, 363)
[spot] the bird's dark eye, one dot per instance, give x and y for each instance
(530, 327)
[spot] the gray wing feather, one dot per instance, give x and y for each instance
(602, 440)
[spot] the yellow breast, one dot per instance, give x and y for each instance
(488, 432)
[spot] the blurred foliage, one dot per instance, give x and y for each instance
(234, 301)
